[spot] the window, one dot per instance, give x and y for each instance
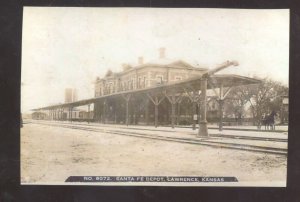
(144, 82)
(140, 82)
(111, 87)
(159, 79)
(178, 78)
(213, 105)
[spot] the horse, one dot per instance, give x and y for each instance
(269, 121)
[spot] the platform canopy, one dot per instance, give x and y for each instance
(192, 84)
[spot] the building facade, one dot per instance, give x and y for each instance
(145, 75)
(39, 115)
(140, 76)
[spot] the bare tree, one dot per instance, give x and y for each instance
(237, 100)
(263, 98)
(266, 98)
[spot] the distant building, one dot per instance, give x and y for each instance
(70, 95)
(39, 115)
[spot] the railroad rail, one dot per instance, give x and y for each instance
(205, 141)
(170, 131)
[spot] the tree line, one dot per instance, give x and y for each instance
(260, 99)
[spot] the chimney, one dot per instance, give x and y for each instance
(162, 52)
(140, 60)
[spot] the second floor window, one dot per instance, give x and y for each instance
(178, 78)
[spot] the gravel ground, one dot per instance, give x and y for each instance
(51, 154)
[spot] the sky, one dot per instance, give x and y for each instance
(70, 47)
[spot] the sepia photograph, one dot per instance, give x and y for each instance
(154, 96)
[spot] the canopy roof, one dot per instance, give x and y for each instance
(192, 84)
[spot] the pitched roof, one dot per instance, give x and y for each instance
(161, 62)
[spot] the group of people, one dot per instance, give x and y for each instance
(268, 121)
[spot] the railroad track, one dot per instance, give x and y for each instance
(250, 138)
(168, 131)
(200, 141)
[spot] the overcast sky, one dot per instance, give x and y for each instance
(70, 47)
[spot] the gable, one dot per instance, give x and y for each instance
(181, 64)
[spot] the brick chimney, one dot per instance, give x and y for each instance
(162, 52)
(140, 60)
